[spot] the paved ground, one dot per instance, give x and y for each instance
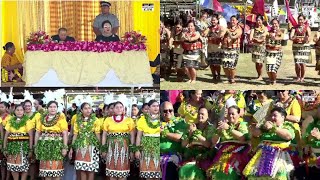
(246, 75)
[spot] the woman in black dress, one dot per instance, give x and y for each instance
(107, 35)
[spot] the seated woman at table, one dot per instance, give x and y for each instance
(11, 67)
(62, 36)
(107, 35)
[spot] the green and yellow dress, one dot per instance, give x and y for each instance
(4, 119)
(51, 138)
(18, 145)
(150, 144)
(293, 108)
(117, 145)
(232, 155)
(272, 160)
(171, 150)
(86, 145)
(197, 158)
(251, 109)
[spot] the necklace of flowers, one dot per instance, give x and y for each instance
(17, 124)
(114, 117)
(260, 29)
(191, 34)
(150, 124)
(192, 112)
(215, 29)
(88, 127)
(49, 123)
(301, 29)
(32, 116)
(170, 123)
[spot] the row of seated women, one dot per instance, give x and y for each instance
(184, 47)
(230, 148)
(41, 141)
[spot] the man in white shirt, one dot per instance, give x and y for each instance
(222, 21)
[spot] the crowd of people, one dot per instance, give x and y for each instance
(240, 134)
(45, 143)
(105, 27)
(187, 44)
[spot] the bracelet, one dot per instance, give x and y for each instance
(164, 133)
(104, 148)
(195, 135)
(273, 129)
(184, 137)
(231, 128)
(134, 148)
(65, 147)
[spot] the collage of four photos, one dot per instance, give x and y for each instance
(160, 89)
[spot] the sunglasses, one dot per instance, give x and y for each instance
(168, 110)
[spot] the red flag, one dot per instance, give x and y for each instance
(290, 16)
(217, 6)
(258, 7)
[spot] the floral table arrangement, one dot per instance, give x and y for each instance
(132, 41)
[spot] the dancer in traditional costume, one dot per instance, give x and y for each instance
(215, 34)
(5, 117)
(27, 105)
(274, 51)
(233, 147)
(148, 142)
(189, 108)
(197, 155)
(263, 100)
(17, 145)
(51, 142)
(231, 49)
(173, 131)
(117, 141)
(86, 142)
(258, 41)
(272, 160)
(301, 48)
(316, 39)
(164, 51)
(292, 107)
(192, 49)
(175, 44)
(311, 138)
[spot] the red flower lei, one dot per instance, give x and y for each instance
(118, 121)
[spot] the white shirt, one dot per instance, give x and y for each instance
(223, 22)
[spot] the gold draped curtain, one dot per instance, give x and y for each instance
(20, 18)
